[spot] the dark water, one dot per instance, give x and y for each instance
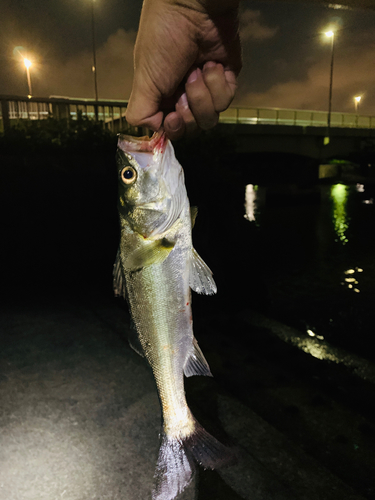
(306, 258)
(304, 254)
(318, 256)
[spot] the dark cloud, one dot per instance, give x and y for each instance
(74, 78)
(353, 75)
(252, 26)
(55, 34)
(291, 68)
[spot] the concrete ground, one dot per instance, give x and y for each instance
(80, 417)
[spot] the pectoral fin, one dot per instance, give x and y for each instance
(153, 252)
(201, 280)
(196, 364)
(118, 280)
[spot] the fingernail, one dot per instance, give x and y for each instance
(209, 64)
(183, 101)
(193, 76)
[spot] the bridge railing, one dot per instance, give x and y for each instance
(109, 112)
(297, 117)
(112, 113)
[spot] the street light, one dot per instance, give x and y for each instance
(357, 100)
(27, 64)
(93, 48)
(330, 34)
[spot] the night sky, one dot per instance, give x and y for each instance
(286, 57)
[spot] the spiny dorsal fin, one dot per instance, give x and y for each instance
(201, 280)
(118, 279)
(193, 215)
(149, 253)
(196, 364)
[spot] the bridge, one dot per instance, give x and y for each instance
(15, 108)
(256, 129)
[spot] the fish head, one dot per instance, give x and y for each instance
(151, 183)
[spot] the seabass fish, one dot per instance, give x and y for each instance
(155, 268)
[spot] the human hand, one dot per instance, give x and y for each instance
(187, 57)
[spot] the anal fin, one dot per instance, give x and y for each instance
(197, 364)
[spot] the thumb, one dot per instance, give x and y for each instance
(143, 108)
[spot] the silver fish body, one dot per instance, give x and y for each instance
(155, 269)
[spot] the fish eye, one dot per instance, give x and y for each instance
(128, 175)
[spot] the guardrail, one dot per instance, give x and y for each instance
(112, 113)
(297, 117)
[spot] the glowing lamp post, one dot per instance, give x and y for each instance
(94, 48)
(27, 64)
(330, 34)
(357, 100)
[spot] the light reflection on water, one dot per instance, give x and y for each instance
(251, 202)
(314, 345)
(339, 195)
(351, 279)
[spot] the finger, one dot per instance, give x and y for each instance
(181, 122)
(174, 126)
(183, 109)
(222, 85)
(143, 112)
(152, 122)
(200, 101)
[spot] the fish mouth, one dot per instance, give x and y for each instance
(145, 144)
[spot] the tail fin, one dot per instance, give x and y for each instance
(175, 467)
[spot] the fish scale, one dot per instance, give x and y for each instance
(162, 326)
